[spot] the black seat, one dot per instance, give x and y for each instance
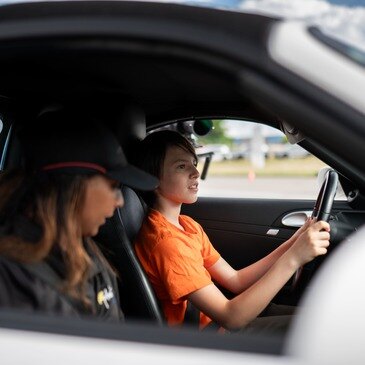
(115, 239)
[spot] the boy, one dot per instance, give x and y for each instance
(181, 263)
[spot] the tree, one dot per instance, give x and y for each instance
(216, 136)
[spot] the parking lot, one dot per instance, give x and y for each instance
(252, 187)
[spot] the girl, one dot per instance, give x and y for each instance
(182, 263)
(50, 209)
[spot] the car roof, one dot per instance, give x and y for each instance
(175, 62)
(134, 58)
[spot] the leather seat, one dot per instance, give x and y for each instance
(115, 239)
(116, 236)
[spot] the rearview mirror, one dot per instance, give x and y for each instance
(200, 127)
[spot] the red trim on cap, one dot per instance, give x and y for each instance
(62, 165)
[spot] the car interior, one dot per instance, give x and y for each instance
(126, 70)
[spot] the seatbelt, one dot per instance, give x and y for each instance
(192, 319)
(192, 315)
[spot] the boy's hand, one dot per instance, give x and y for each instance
(300, 230)
(312, 242)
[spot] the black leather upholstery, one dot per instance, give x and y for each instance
(116, 241)
(133, 212)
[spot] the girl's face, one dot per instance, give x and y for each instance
(102, 197)
(179, 177)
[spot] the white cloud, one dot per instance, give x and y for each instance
(342, 22)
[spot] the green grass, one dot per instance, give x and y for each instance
(300, 167)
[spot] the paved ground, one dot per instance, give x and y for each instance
(280, 188)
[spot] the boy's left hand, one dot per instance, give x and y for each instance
(302, 228)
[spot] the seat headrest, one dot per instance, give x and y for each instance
(133, 212)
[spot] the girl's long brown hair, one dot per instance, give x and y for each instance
(40, 213)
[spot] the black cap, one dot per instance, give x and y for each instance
(72, 143)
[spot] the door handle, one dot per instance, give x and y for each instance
(296, 219)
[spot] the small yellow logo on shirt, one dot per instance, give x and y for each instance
(104, 296)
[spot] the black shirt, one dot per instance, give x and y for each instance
(34, 288)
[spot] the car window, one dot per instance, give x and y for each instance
(251, 160)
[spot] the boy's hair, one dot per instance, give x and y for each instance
(152, 155)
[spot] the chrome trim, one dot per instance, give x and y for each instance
(296, 219)
(272, 232)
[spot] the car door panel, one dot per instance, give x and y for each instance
(238, 228)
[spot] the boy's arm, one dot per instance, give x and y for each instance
(239, 311)
(239, 280)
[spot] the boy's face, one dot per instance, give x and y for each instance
(179, 177)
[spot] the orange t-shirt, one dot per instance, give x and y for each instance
(175, 261)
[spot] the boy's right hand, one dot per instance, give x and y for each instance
(311, 243)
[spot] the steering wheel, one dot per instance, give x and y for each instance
(321, 210)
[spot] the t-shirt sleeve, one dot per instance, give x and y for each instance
(181, 271)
